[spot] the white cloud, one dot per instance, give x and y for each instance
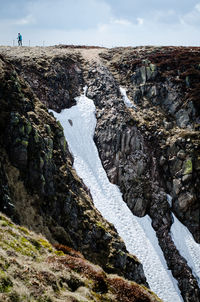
(102, 27)
(192, 17)
(140, 21)
(25, 21)
(102, 22)
(76, 14)
(122, 22)
(197, 7)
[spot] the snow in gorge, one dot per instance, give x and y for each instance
(126, 100)
(187, 246)
(79, 125)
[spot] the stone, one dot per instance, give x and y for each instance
(175, 164)
(187, 81)
(151, 71)
(143, 74)
(167, 125)
(184, 200)
(170, 102)
(181, 154)
(176, 186)
(182, 118)
(186, 178)
(140, 207)
(162, 160)
(187, 166)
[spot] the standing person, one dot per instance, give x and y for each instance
(19, 39)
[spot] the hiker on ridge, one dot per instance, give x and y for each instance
(19, 39)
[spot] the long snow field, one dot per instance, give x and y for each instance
(79, 125)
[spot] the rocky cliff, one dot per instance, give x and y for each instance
(149, 150)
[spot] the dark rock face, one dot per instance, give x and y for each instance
(39, 187)
(55, 80)
(130, 151)
(168, 115)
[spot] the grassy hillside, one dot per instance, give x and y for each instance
(31, 269)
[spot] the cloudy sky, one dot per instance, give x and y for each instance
(101, 22)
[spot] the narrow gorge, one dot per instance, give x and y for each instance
(128, 203)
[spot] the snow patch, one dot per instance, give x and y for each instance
(187, 246)
(137, 233)
(126, 100)
(169, 199)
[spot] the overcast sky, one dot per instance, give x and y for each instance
(101, 22)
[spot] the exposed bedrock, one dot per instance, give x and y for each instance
(134, 156)
(40, 189)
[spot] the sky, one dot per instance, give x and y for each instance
(108, 23)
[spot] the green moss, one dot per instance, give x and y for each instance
(14, 245)
(12, 233)
(4, 224)
(21, 129)
(36, 137)
(24, 230)
(187, 167)
(36, 244)
(50, 143)
(59, 124)
(153, 67)
(5, 220)
(41, 163)
(19, 244)
(46, 244)
(100, 225)
(110, 268)
(63, 143)
(5, 283)
(48, 129)
(48, 155)
(28, 128)
(18, 140)
(24, 143)
(59, 253)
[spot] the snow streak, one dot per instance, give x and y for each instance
(126, 100)
(187, 246)
(79, 125)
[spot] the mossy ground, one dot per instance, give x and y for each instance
(31, 269)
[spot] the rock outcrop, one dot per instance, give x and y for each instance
(39, 187)
(163, 83)
(147, 150)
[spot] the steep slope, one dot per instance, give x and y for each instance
(31, 269)
(39, 188)
(79, 125)
(164, 84)
(149, 150)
